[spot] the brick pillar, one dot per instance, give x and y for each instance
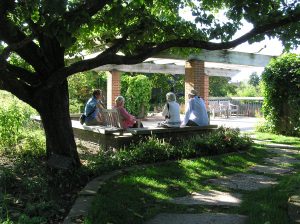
(113, 87)
(195, 78)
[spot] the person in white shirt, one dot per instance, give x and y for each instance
(196, 113)
(171, 112)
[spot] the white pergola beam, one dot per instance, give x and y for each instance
(165, 68)
(220, 72)
(144, 68)
(225, 57)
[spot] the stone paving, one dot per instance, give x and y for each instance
(271, 169)
(283, 146)
(211, 197)
(204, 218)
(282, 160)
(242, 181)
(283, 151)
(238, 181)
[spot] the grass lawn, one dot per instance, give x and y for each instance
(144, 192)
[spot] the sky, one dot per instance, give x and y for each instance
(268, 47)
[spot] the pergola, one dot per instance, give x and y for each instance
(196, 68)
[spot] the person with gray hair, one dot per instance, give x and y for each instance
(171, 112)
(127, 120)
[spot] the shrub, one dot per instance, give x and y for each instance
(281, 107)
(32, 144)
(18, 131)
(153, 150)
(13, 117)
(223, 140)
(137, 94)
(81, 87)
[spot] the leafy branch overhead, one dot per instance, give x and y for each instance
(138, 29)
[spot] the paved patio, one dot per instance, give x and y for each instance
(243, 123)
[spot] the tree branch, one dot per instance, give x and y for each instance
(110, 57)
(9, 82)
(24, 75)
(13, 47)
(29, 51)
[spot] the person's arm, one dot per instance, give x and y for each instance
(125, 114)
(165, 111)
(100, 105)
(187, 114)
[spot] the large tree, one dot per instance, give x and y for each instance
(37, 36)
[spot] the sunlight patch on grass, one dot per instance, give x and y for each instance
(146, 181)
(155, 194)
(281, 139)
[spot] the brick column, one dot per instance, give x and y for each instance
(113, 87)
(195, 78)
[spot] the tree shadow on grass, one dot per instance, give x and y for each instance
(144, 192)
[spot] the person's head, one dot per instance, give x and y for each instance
(170, 97)
(120, 100)
(97, 93)
(192, 93)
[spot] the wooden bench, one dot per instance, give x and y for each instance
(158, 130)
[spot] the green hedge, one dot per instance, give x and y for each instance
(281, 107)
(137, 93)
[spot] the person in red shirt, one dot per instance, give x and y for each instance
(128, 120)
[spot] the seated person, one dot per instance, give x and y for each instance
(93, 109)
(171, 112)
(196, 113)
(127, 120)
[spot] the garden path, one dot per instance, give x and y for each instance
(278, 165)
(233, 186)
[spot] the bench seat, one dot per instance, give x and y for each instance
(157, 130)
(118, 138)
(115, 137)
(98, 129)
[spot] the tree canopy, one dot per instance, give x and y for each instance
(39, 37)
(138, 29)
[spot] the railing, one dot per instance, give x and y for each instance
(248, 106)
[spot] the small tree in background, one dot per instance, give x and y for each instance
(220, 86)
(164, 83)
(247, 90)
(137, 92)
(254, 79)
(281, 108)
(81, 87)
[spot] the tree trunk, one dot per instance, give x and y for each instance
(53, 106)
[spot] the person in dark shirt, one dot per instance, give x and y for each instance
(93, 109)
